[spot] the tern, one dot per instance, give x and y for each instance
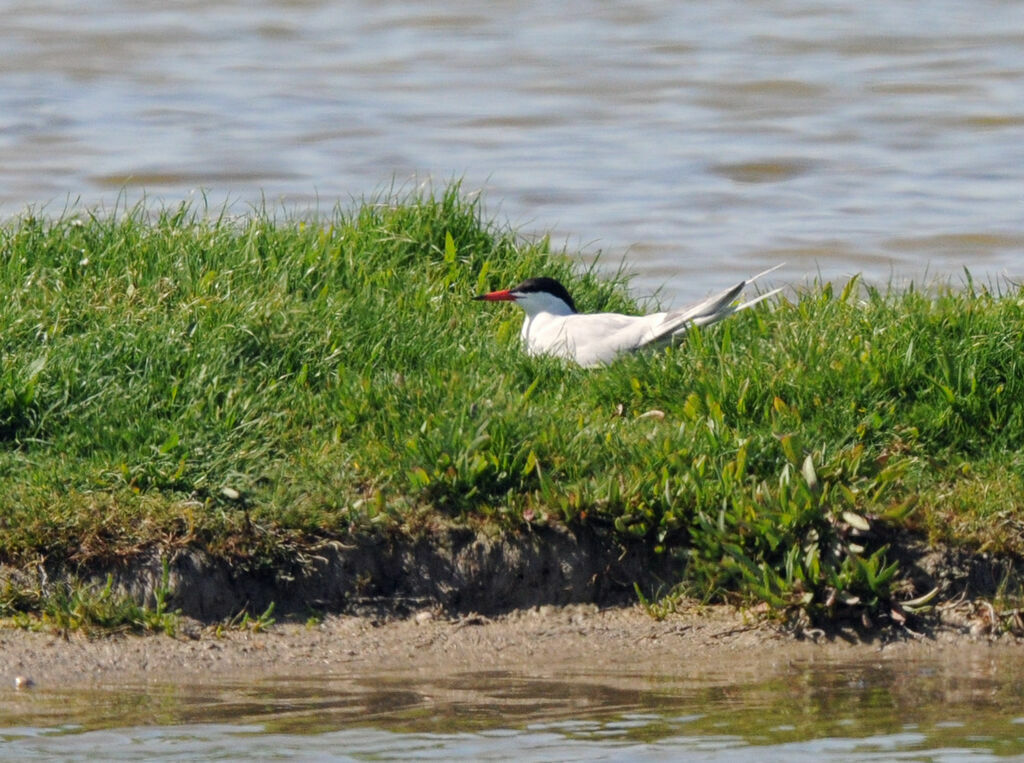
(553, 326)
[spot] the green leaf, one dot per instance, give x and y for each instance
(449, 248)
(170, 443)
(921, 602)
(692, 407)
(901, 510)
(530, 390)
(848, 289)
(741, 459)
(481, 278)
(531, 463)
(792, 447)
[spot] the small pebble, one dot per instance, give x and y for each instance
(423, 617)
(23, 682)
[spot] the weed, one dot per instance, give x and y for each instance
(71, 605)
(243, 621)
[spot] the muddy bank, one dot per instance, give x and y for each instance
(461, 571)
(454, 570)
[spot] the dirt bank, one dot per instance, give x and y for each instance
(455, 569)
(462, 571)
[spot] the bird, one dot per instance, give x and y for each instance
(553, 326)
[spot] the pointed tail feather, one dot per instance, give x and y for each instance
(772, 269)
(758, 298)
(706, 307)
(708, 320)
(712, 309)
(719, 303)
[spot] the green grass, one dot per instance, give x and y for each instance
(249, 385)
(69, 604)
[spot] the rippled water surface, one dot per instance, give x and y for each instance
(966, 709)
(700, 141)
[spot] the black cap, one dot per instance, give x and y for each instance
(550, 285)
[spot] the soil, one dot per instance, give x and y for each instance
(463, 571)
(465, 601)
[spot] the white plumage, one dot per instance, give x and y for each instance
(553, 327)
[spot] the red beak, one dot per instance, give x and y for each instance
(505, 295)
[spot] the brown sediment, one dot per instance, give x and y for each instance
(543, 639)
(456, 570)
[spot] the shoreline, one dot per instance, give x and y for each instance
(543, 639)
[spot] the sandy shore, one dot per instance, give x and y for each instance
(547, 637)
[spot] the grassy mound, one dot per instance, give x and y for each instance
(250, 386)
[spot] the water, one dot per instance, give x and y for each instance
(699, 142)
(967, 709)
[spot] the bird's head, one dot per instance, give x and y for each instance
(536, 295)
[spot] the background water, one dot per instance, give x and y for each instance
(965, 708)
(699, 141)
